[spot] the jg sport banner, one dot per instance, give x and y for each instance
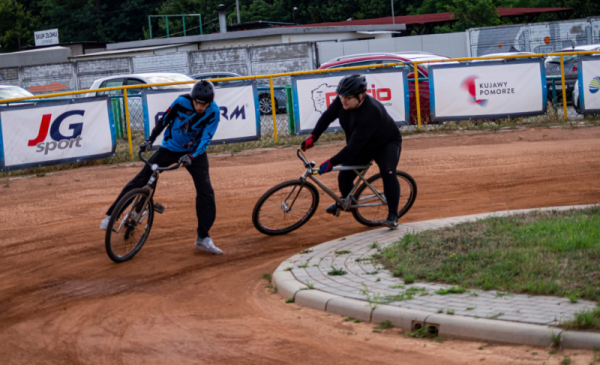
(240, 115)
(314, 93)
(57, 132)
(487, 90)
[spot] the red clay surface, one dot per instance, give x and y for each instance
(62, 301)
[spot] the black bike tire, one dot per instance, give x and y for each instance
(265, 196)
(116, 212)
(403, 210)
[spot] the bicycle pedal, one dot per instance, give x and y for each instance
(159, 208)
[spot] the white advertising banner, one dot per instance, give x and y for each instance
(46, 37)
(487, 90)
(314, 93)
(53, 133)
(240, 116)
(589, 84)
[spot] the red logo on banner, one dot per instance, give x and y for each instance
(468, 84)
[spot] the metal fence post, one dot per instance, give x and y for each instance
(289, 93)
(116, 106)
(564, 91)
(126, 106)
(273, 108)
(417, 96)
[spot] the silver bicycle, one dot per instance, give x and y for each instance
(287, 206)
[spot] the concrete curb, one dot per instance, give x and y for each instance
(447, 326)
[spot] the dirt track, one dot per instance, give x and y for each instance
(62, 301)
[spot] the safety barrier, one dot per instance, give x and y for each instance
(129, 106)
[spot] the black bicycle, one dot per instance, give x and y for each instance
(287, 206)
(131, 221)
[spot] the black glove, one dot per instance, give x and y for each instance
(146, 145)
(186, 160)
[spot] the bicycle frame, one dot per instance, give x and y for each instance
(152, 181)
(345, 203)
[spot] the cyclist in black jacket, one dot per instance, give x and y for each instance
(371, 134)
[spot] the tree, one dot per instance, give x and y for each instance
(474, 13)
(16, 28)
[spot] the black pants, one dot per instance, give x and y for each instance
(205, 196)
(387, 158)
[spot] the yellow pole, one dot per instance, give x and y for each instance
(126, 106)
(417, 95)
(564, 91)
(273, 108)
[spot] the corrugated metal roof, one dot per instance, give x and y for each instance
(430, 18)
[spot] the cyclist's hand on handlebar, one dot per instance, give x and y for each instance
(186, 160)
(325, 167)
(146, 145)
(308, 143)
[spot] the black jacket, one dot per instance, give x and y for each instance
(367, 128)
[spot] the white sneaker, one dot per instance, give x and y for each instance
(104, 223)
(207, 245)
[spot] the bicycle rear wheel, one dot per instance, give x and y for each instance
(285, 207)
(129, 225)
(377, 210)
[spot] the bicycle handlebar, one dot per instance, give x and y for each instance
(174, 167)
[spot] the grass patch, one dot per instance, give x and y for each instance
(335, 271)
(452, 290)
(543, 253)
(587, 319)
(385, 325)
(342, 252)
(308, 250)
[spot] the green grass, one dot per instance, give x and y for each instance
(342, 252)
(335, 271)
(549, 253)
(587, 319)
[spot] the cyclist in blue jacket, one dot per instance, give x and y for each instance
(189, 125)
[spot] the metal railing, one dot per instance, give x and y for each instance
(299, 73)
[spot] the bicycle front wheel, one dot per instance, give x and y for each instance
(372, 210)
(285, 207)
(129, 225)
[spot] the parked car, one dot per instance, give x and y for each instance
(570, 65)
(13, 92)
(139, 79)
(264, 96)
(502, 54)
(136, 113)
(382, 58)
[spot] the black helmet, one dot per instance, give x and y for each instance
(203, 92)
(352, 85)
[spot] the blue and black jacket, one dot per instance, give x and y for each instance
(186, 130)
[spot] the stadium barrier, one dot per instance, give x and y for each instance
(588, 73)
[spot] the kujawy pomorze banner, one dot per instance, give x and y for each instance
(240, 115)
(589, 84)
(314, 93)
(54, 133)
(487, 90)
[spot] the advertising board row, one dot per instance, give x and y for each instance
(42, 134)
(60, 132)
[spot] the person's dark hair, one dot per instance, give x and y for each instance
(203, 92)
(352, 85)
